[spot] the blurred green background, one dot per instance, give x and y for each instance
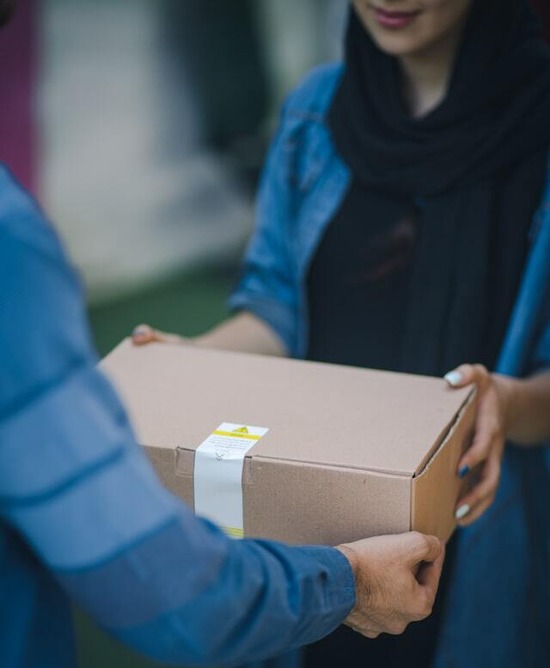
(187, 304)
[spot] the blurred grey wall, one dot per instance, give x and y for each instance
(145, 106)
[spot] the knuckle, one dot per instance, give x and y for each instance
(496, 430)
(482, 376)
(397, 628)
(489, 485)
(480, 446)
(477, 443)
(475, 456)
(485, 493)
(475, 514)
(491, 499)
(424, 602)
(426, 608)
(417, 540)
(475, 497)
(421, 542)
(466, 370)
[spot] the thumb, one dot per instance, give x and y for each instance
(429, 575)
(424, 548)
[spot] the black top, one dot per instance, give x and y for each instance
(383, 267)
(358, 285)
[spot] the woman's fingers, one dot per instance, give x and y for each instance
(488, 434)
(474, 504)
(144, 334)
(487, 427)
(487, 446)
(468, 374)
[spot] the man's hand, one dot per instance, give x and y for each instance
(396, 580)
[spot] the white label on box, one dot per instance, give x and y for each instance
(218, 472)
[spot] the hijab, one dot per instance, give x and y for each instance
(495, 113)
(472, 169)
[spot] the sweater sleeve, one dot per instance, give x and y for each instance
(80, 491)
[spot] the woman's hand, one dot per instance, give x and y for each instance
(485, 453)
(144, 334)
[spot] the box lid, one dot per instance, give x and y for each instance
(316, 413)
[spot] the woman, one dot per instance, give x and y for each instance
(395, 231)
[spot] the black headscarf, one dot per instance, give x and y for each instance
(496, 110)
(475, 166)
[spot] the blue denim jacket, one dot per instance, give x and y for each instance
(500, 592)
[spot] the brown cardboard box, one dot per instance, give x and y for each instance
(350, 453)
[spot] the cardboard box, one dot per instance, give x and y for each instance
(349, 453)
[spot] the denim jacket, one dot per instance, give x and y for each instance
(500, 590)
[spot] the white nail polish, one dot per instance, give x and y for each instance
(454, 378)
(462, 511)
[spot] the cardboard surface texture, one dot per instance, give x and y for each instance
(349, 453)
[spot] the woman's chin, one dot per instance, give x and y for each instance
(399, 46)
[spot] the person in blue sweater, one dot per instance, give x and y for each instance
(83, 518)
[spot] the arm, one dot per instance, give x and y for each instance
(526, 408)
(74, 483)
(81, 493)
(244, 332)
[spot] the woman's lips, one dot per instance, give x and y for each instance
(394, 20)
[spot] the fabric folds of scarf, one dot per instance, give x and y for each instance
(476, 164)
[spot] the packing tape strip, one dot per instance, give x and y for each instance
(218, 472)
